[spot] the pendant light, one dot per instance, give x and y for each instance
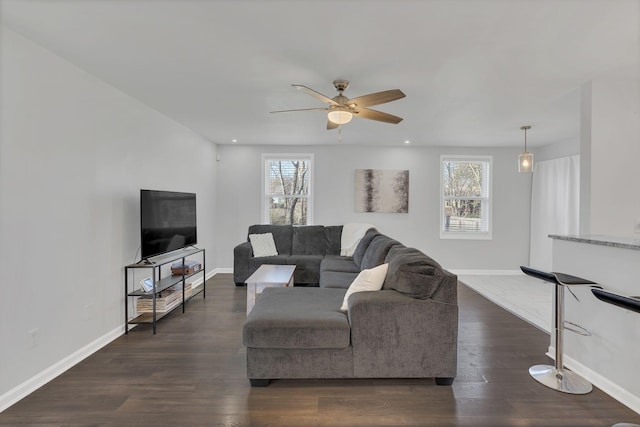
(525, 160)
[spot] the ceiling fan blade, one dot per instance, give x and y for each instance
(331, 125)
(300, 109)
(315, 94)
(366, 113)
(376, 98)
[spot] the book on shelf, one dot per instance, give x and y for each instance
(165, 300)
(162, 305)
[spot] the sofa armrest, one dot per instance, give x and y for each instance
(241, 255)
(394, 335)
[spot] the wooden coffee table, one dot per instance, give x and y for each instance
(267, 276)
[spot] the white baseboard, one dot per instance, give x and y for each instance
(32, 384)
(612, 389)
(487, 272)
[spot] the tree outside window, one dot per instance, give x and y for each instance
(465, 197)
(288, 190)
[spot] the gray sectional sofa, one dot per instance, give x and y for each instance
(409, 329)
(305, 247)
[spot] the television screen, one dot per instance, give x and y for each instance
(167, 221)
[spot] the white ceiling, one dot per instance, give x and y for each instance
(473, 71)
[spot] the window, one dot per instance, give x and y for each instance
(287, 189)
(465, 200)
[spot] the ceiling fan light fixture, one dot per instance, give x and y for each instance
(339, 115)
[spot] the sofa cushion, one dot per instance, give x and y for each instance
(368, 280)
(337, 279)
(338, 264)
(413, 273)
(377, 251)
(309, 240)
(282, 235)
(263, 245)
(333, 236)
(298, 318)
(307, 268)
(358, 254)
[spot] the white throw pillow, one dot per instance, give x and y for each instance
(368, 280)
(263, 245)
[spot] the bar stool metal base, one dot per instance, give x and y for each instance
(560, 379)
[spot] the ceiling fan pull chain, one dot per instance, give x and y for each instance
(339, 134)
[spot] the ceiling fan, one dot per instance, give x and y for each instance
(342, 109)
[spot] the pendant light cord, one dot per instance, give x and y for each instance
(525, 128)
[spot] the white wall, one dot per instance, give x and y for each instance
(585, 159)
(74, 154)
(557, 150)
(239, 195)
(615, 151)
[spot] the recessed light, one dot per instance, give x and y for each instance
(407, 141)
(234, 140)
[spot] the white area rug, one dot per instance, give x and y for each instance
(528, 298)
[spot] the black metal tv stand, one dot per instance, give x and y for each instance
(158, 269)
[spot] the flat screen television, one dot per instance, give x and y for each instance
(167, 221)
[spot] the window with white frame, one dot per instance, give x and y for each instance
(465, 197)
(287, 196)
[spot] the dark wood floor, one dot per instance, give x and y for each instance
(192, 373)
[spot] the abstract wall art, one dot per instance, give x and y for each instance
(382, 190)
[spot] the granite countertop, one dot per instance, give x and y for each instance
(616, 242)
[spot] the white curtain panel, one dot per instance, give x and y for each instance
(555, 206)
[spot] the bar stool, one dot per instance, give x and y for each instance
(628, 303)
(557, 377)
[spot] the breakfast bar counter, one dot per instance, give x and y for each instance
(610, 357)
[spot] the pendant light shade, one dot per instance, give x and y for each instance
(525, 160)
